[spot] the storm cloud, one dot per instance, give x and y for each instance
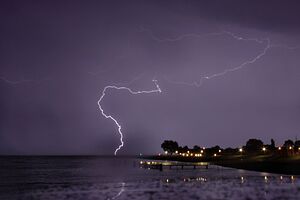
(56, 58)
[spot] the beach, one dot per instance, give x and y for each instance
(82, 177)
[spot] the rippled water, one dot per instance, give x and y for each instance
(121, 178)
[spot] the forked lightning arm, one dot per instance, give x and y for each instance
(157, 90)
(203, 78)
(242, 65)
(21, 81)
(195, 83)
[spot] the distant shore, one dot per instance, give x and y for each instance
(261, 163)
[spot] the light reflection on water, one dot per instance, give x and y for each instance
(111, 178)
(243, 179)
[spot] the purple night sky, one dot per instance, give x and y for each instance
(57, 57)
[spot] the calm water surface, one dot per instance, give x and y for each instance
(120, 178)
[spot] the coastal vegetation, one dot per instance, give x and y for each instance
(252, 147)
(254, 155)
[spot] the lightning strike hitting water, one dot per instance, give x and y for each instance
(157, 90)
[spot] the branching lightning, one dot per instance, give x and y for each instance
(198, 83)
(157, 90)
(12, 82)
(131, 81)
(232, 69)
(267, 46)
(195, 35)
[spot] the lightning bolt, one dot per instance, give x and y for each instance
(128, 83)
(198, 83)
(195, 35)
(12, 82)
(224, 72)
(107, 116)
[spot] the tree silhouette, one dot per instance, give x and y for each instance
(196, 148)
(185, 148)
(288, 143)
(272, 144)
(213, 150)
(254, 145)
(170, 146)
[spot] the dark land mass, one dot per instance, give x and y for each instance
(261, 163)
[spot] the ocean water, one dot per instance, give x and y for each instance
(121, 178)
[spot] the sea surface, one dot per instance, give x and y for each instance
(107, 178)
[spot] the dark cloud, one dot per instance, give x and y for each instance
(265, 15)
(64, 53)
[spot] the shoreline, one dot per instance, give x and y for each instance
(259, 163)
(268, 164)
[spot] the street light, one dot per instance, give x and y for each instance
(264, 149)
(240, 150)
